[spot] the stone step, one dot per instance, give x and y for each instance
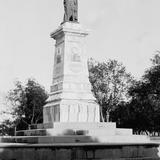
(72, 129)
(33, 132)
(123, 131)
(94, 139)
(89, 132)
(60, 132)
(85, 126)
(73, 125)
(134, 139)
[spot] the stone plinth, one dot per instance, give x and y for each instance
(79, 133)
(70, 99)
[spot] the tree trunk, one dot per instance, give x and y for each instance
(33, 112)
(101, 114)
(107, 116)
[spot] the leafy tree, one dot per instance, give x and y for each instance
(6, 128)
(146, 99)
(141, 108)
(110, 83)
(27, 103)
(121, 115)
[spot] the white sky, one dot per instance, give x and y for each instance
(126, 30)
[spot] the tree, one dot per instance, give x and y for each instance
(6, 128)
(27, 103)
(110, 83)
(146, 99)
(121, 115)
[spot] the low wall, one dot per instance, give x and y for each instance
(80, 151)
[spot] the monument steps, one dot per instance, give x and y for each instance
(55, 132)
(74, 125)
(84, 125)
(135, 139)
(71, 128)
(70, 132)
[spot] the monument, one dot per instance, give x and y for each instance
(71, 109)
(70, 99)
(71, 128)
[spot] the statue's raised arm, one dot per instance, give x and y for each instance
(70, 11)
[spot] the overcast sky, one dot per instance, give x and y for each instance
(126, 30)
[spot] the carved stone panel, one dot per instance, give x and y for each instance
(82, 113)
(58, 55)
(48, 114)
(56, 87)
(73, 113)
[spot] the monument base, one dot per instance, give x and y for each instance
(78, 141)
(78, 133)
(79, 151)
(71, 111)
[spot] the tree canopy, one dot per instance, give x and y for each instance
(144, 106)
(110, 83)
(27, 103)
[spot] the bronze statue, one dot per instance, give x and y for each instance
(70, 10)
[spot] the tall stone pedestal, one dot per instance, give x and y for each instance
(70, 99)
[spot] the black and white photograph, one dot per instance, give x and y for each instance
(79, 80)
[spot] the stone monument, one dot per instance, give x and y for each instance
(71, 113)
(70, 99)
(72, 127)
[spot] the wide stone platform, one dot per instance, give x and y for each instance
(80, 151)
(135, 139)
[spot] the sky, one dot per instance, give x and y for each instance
(125, 30)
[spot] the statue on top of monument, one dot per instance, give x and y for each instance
(70, 11)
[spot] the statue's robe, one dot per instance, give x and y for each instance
(71, 10)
